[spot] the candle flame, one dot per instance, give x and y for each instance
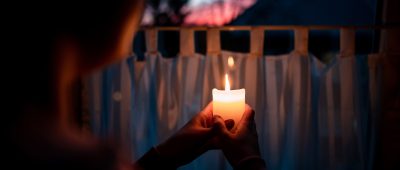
(227, 86)
(231, 62)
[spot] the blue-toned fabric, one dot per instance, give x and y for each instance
(309, 115)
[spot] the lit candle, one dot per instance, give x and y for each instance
(229, 104)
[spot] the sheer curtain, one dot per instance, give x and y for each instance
(309, 115)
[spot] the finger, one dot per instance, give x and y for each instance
(208, 109)
(219, 127)
(206, 115)
(247, 118)
(229, 124)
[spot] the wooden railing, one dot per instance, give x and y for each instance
(301, 37)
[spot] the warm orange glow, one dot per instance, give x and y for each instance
(227, 85)
(231, 62)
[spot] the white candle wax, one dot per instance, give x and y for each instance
(229, 104)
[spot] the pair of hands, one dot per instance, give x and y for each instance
(206, 131)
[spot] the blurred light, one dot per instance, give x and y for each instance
(148, 17)
(214, 12)
(231, 62)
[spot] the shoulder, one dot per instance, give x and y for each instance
(61, 151)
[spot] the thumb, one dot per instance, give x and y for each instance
(219, 127)
(248, 117)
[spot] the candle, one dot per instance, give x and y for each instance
(229, 104)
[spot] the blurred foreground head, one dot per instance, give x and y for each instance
(52, 41)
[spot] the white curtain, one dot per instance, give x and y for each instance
(309, 115)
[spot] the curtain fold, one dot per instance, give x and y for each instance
(309, 115)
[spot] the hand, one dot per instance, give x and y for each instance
(190, 141)
(241, 142)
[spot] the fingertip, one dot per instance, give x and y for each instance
(209, 105)
(218, 121)
(219, 126)
(208, 109)
(249, 111)
(229, 124)
(248, 115)
(248, 108)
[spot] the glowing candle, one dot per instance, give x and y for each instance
(229, 104)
